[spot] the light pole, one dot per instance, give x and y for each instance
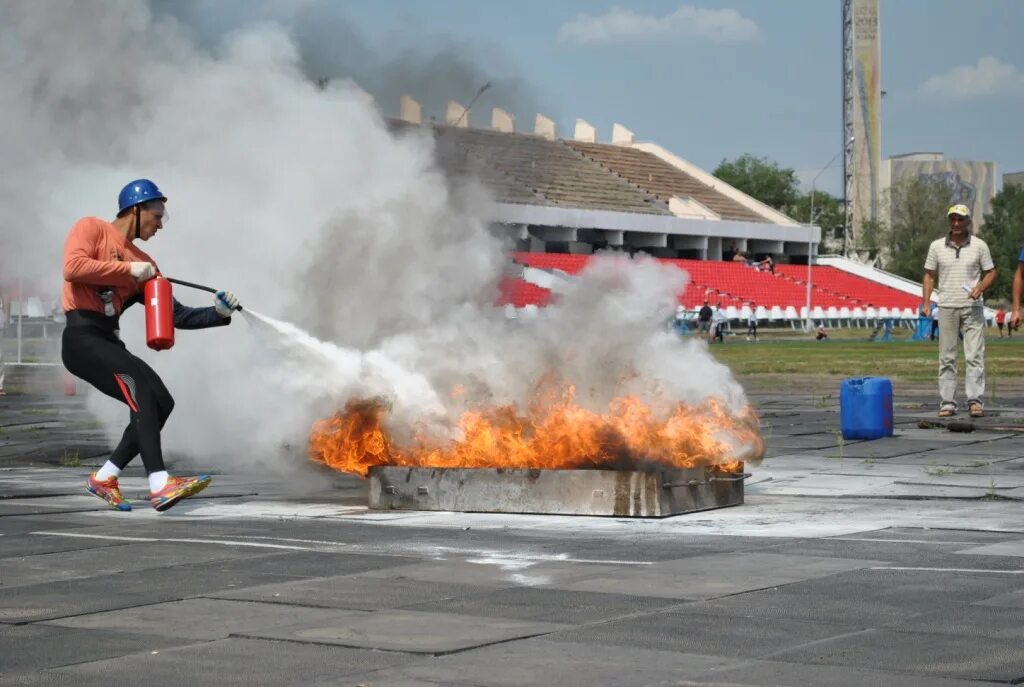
(810, 229)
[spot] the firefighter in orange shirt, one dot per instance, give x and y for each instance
(103, 274)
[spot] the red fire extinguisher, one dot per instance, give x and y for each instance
(159, 314)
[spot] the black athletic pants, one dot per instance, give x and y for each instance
(91, 351)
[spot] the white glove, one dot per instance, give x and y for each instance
(142, 271)
(225, 303)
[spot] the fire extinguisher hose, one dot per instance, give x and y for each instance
(190, 285)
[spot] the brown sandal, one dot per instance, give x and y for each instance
(975, 410)
(947, 411)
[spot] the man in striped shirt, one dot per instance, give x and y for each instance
(965, 270)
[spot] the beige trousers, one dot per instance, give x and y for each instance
(970, 322)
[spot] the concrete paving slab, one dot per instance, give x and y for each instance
(354, 592)
(911, 552)
(1014, 599)
(917, 590)
(707, 577)
(953, 457)
(201, 618)
(1010, 446)
(726, 636)
(27, 649)
(918, 653)
(241, 662)
(17, 545)
(946, 535)
(880, 449)
(781, 674)
(301, 540)
(804, 442)
(66, 598)
(1005, 548)
(408, 631)
(968, 621)
(546, 662)
(496, 572)
(28, 570)
(549, 605)
(781, 603)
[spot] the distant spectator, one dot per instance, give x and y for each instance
(719, 321)
(767, 265)
(961, 265)
(935, 322)
(738, 256)
(1000, 320)
(820, 334)
(752, 323)
(704, 320)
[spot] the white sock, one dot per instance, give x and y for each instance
(157, 480)
(107, 471)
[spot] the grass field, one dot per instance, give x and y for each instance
(907, 360)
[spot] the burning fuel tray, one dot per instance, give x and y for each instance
(626, 493)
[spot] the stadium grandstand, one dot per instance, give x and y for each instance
(561, 200)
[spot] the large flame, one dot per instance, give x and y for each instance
(553, 433)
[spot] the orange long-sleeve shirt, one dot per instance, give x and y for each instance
(96, 257)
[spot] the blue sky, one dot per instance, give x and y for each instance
(714, 79)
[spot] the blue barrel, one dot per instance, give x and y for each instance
(865, 408)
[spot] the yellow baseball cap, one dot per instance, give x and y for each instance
(960, 209)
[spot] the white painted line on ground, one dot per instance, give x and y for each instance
(906, 541)
(954, 570)
(221, 542)
(479, 555)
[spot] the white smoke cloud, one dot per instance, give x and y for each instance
(302, 202)
(619, 26)
(990, 77)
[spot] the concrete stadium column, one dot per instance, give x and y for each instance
(544, 127)
(457, 115)
(502, 121)
(613, 237)
(689, 242)
(585, 132)
(646, 239)
(764, 246)
(410, 110)
(621, 136)
(714, 248)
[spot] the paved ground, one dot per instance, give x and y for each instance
(895, 562)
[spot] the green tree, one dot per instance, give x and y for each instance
(763, 179)
(828, 213)
(917, 216)
(1004, 233)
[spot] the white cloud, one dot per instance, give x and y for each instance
(990, 77)
(620, 25)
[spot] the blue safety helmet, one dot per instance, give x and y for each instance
(136, 192)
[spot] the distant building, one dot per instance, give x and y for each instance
(971, 182)
(1013, 179)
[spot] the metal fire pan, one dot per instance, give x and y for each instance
(625, 493)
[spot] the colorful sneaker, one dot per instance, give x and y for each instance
(108, 490)
(176, 489)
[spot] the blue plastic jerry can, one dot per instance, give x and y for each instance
(865, 408)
